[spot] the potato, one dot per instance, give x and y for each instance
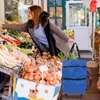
(35, 69)
(38, 65)
(49, 66)
(49, 56)
(37, 78)
(58, 77)
(49, 79)
(45, 61)
(44, 57)
(38, 61)
(59, 67)
(31, 74)
(45, 53)
(30, 78)
(26, 77)
(54, 57)
(51, 60)
(33, 62)
(30, 70)
(51, 69)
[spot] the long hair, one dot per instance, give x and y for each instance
(37, 10)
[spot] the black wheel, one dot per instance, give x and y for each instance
(82, 96)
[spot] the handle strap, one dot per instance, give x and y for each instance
(77, 48)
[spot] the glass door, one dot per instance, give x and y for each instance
(79, 20)
(78, 15)
(56, 8)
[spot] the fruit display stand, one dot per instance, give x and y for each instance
(11, 63)
(12, 72)
(97, 52)
(98, 83)
(40, 78)
(69, 33)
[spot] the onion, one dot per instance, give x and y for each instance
(30, 78)
(26, 77)
(35, 69)
(37, 77)
(31, 74)
(30, 70)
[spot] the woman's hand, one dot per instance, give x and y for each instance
(71, 40)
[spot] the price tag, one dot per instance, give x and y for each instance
(43, 68)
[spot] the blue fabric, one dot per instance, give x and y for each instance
(74, 86)
(74, 76)
(74, 69)
(74, 73)
(72, 63)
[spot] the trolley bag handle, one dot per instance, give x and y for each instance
(77, 48)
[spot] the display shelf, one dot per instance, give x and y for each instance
(12, 72)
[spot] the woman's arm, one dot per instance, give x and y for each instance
(58, 31)
(16, 27)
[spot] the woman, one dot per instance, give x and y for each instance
(45, 35)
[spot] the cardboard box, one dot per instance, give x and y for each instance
(27, 90)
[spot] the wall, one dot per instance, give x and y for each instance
(2, 15)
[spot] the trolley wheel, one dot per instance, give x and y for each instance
(82, 96)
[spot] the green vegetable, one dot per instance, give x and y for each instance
(25, 51)
(61, 55)
(71, 56)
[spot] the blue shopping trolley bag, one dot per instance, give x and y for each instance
(74, 74)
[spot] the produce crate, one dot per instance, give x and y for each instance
(40, 79)
(34, 91)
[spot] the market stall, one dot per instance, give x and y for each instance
(40, 73)
(97, 49)
(13, 57)
(11, 63)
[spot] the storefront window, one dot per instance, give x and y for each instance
(78, 15)
(52, 11)
(56, 10)
(52, 2)
(52, 20)
(59, 22)
(98, 18)
(11, 12)
(59, 2)
(59, 11)
(16, 10)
